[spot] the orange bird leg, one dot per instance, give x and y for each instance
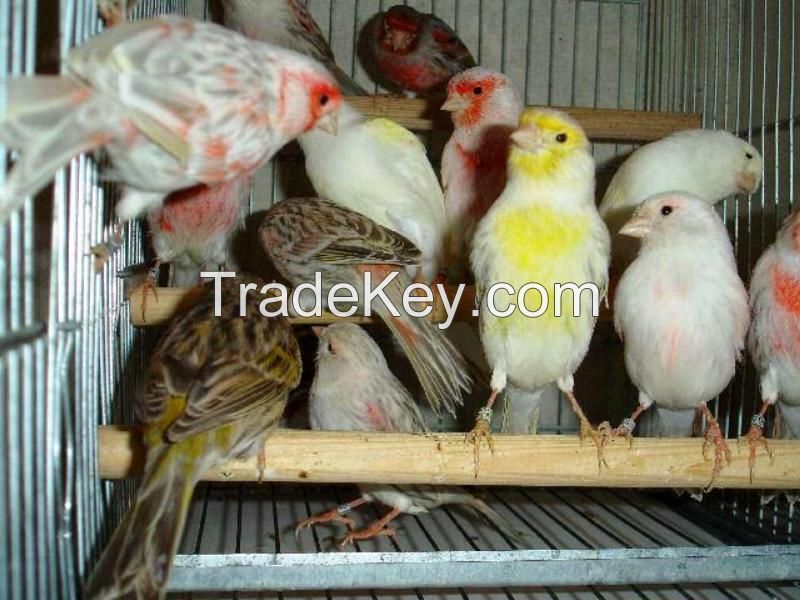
(713, 435)
(334, 514)
(628, 425)
(756, 436)
(376, 529)
(598, 436)
(482, 431)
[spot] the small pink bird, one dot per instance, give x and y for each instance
(194, 228)
(774, 339)
(486, 111)
(168, 119)
(416, 52)
(288, 24)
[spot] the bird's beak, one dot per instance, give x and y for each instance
(454, 103)
(399, 39)
(329, 123)
(317, 329)
(748, 182)
(528, 138)
(638, 226)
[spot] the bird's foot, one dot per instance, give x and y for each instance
(754, 438)
(104, 251)
(261, 463)
(625, 430)
(150, 286)
(335, 514)
(598, 436)
(376, 529)
(722, 453)
(482, 431)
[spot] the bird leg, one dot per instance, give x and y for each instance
(150, 285)
(628, 425)
(376, 529)
(103, 252)
(598, 436)
(482, 431)
(713, 435)
(334, 514)
(756, 436)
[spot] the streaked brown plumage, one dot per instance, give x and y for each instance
(306, 235)
(217, 386)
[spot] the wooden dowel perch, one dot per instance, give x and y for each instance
(544, 460)
(601, 124)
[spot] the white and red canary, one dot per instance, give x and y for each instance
(683, 281)
(774, 339)
(486, 110)
(168, 120)
(354, 390)
(306, 236)
(380, 169)
(415, 52)
(194, 228)
(288, 24)
(709, 164)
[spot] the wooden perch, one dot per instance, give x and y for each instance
(543, 460)
(601, 124)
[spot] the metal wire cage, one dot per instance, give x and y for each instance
(70, 358)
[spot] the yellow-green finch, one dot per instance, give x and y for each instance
(217, 385)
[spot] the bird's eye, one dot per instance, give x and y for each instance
(666, 210)
(749, 155)
(561, 138)
(330, 348)
(323, 100)
(477, 90)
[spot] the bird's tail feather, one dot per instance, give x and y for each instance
(440, 367)
(347, 83)
(498, 521)
(49, 120)
(137, 561)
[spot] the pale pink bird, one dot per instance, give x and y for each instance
(486, 111)
(193, 230)
(175, 102)
(774, 339)
(288, 24)
(354, 390)
(682, 312)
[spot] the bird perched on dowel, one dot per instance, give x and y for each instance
(168, 120)
(682, 313)
(354, 390)
(217, 386)
(194, 228)
(288, 24)
(305, 236)
(543, 229)
(486, 109)
(774, 339)
(380, 169)
(414, 52)
(709, 164)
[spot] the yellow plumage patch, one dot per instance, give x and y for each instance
(390, 132)
(548, 125)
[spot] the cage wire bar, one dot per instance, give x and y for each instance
(69, 358)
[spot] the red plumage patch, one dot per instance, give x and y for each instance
(786, 288)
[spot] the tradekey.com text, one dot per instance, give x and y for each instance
(345, 300)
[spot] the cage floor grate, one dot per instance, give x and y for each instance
(245, 519)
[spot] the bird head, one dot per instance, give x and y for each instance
(310, 97)
(480, 95)
(548, 144)
(672, 214)
(400, 29)
(748, 172)
(344, 345)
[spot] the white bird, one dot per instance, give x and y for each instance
(381, 170)
(681, 310)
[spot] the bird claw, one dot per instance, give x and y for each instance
(625, 430)
(335, 514)
(754, 437)
(599, 438)
(261, 463)
(366, 534)
(481, 431)
(722, 453)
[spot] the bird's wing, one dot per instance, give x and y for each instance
(306, 27)
(401, 413)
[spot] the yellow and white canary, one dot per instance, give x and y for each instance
(544, 229)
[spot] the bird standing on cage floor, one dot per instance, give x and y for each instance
(308, 236)
(774, 339)
(217, 385)
(167, 119)
(288, 24)
(380, 169)
(682, 313)
(413, 52)
(543, 229)
(710, 164)
(486, 110)
(354, 390)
